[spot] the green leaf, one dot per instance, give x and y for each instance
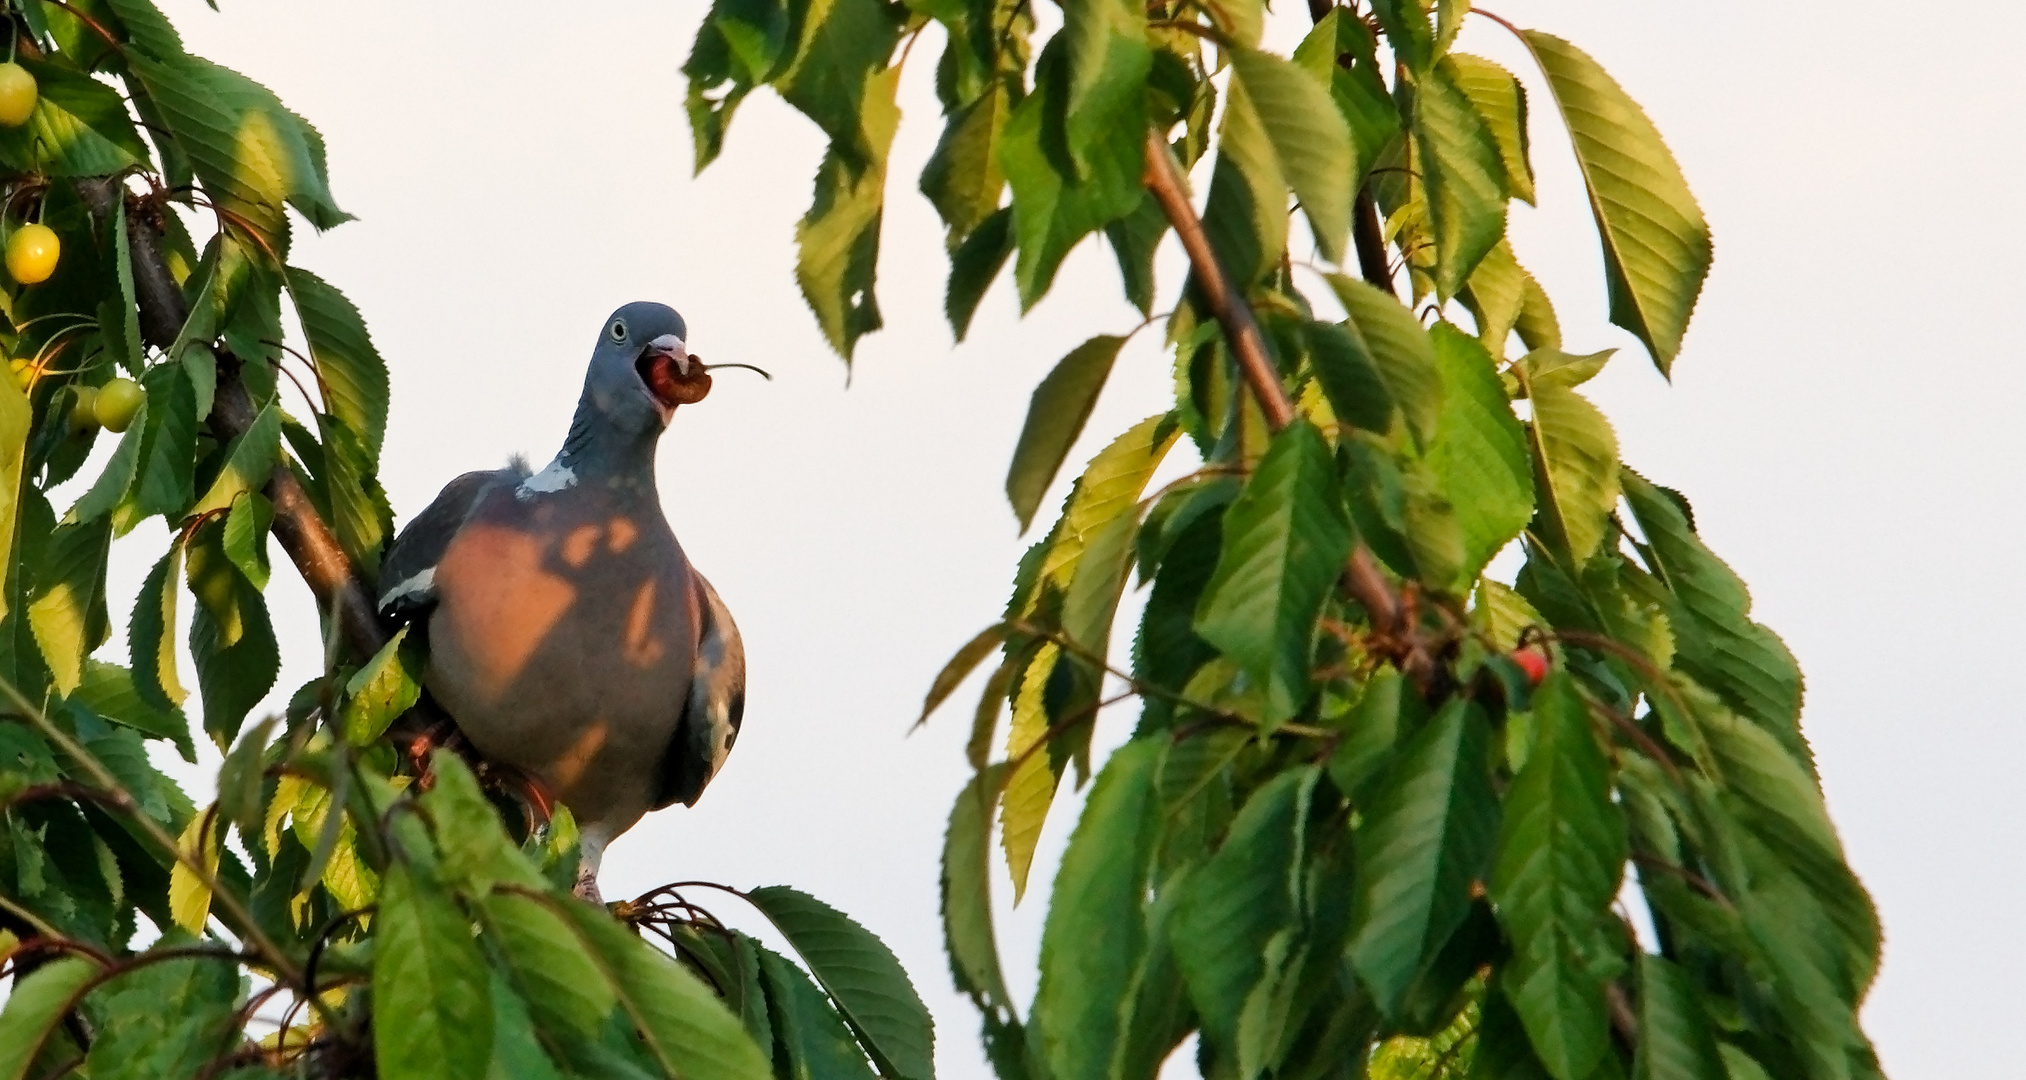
(1502, 103)
(1247, 894)
(164, 481)
(1578, 456)
(138, 1038)
(67, 609)
(960, 667)
(1399, 348)
(1360, 94)
(17, 417)
(245, 536)
(1095, 933)
(1310, 138)
(1480, 454)
(755, 32)
(1031, 787)
(1285, 541)
(861, 974)
(147, 28)
(39, 1001)
(1092, 600)
(1675, 1039)
(112, 692)
(1061, 405)
(1107, 60)
(1056, 204)
(811, 1037)
(151, 633)
(112, 485)
(563, 987)
(1537, 326)
(839, 77)
(1243, 21)
(1550, 366)
(1245, 216)
(839, 236)
(388, 685)
(349, 368)
(476, 851)
(1426, 837)
(79, 128)
(1656, 245)
(240, 779)
(1407, 31)
(1464, 174)
(1495, 296)
(1717, 642)
(248, 461)
(231, 640)
(963, 178)
(432, 996)
(249, 151)
(359, 511)
(1561, 854)
(1110, 484)
(1349, 377)
(1134, 240)
(686, 1028)
(974, 265)
(967, 892)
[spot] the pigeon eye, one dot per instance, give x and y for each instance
(619, 331)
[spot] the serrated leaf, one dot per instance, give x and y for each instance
(1502, 103)
(1480, 454)
(1349, 377)
(960, 667)
(1537, 326)
(1134, 240)
(814, 1041)
(164, 1021)
(245, 536)
(163, 483)
(1577, 455)
(17, 417)
(349, 368)
(151, 633)
(476, 852)
(147, 28)
(1399, 348)
(1560, 857)
(1110, 484)
(1285, 541)
(838, 63)
(1426, 837)
(240, 779)
(39, 1001)
(1502, 614)
(1245, 215)
(974, 265)
(113, 483)
(1550, 366)
(1657, 247)
(563, 987)
(248, 461)
(967, 892)
(432, 996)
(1716, 641)
(190, 895)
(1056, 204)
(1360, 94)
(1495, 296)
(1095, 932)
(67, 607)
(1675, 1038)
(1107, 58)
(237, 660)
(1310, 138)
(839, 236)
(112, 692)
(79, 127)
(963, 178)
(249, 151)
(1240, 900)
(1036, 772)
(379, 692)
(1092, 599)
(1407, 30)
(360, 515)
(1464, 173)
(861, 975)
(1055, 417)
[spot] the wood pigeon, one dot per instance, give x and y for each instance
(568, 635)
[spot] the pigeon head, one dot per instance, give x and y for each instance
(641, 369)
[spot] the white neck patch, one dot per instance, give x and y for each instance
(554, 478)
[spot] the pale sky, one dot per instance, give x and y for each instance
(1845, 415)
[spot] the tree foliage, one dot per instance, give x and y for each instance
(1382, 814)
(392, 923)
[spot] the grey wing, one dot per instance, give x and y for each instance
(408, 573)
(716, 705)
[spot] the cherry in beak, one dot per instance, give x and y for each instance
(671, 374)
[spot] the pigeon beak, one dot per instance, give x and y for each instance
(674, 348)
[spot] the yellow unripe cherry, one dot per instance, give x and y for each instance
(32, 252)
(117, 403)
(84, 408)
(17, 94)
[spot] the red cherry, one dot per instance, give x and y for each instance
(1533, 662)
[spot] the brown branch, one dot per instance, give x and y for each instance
(1370, 240)
(303, 533)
